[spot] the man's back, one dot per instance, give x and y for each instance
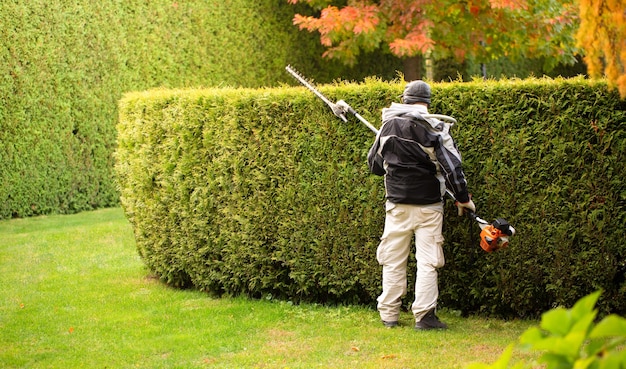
(408, 151)
(417, 156)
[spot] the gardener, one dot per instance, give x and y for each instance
(418, 157)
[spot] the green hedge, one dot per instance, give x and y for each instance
(264, 192)
(64, 65)
(549, 156)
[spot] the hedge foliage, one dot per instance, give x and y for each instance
(64, 65)
(548, 155)
(264, 192)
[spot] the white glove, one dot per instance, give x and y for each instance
(466, 205)
(340, 109)
(343, 105)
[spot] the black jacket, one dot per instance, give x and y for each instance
(418, 158)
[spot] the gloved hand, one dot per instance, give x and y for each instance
(466, 205)
(343, 106)
(340, 109)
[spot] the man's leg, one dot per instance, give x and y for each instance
(392, 254)
(429, 256)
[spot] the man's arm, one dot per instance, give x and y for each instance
(374, 159)
(451, 166)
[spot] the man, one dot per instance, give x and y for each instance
(418, 159)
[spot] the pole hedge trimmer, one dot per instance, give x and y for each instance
(493, 236)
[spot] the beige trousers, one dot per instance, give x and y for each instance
(402, 223)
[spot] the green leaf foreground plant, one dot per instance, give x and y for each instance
(569, 338)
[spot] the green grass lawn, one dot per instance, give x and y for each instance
(75, 294)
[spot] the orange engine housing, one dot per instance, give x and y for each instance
(493, 239)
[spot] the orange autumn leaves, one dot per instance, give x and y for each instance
(602, 34)
(481, 28)
(344, 31)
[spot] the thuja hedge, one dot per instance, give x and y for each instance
(65, 64)
(264, 192)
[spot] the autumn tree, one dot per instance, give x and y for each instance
(602, 35)
(480, 29)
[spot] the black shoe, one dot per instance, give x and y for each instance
(390, 324)
(430, 321)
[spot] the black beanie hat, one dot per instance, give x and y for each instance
(416, 91)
